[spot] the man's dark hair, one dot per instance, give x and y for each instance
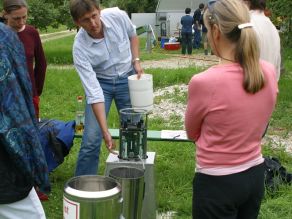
(201, 6)
(78, 8)
(188, 11)
(2, 20)
(257, 5)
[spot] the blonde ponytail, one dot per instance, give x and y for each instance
(247, 54)
(228, 14)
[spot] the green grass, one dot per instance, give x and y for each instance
(53, 30)
(59, 51)
(282, 116)
(174, 164)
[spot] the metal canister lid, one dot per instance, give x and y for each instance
(92, 187)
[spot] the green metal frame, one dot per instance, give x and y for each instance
(152, 135)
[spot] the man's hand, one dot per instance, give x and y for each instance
(135, 55)
(109, 142)
(138, 69)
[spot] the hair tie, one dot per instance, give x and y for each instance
(245, 25)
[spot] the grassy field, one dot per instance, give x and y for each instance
(174, 164)
(60, 51)
(53, 30)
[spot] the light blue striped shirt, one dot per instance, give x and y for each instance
(104, 58)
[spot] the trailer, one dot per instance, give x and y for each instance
(169, 13)
(166, 19)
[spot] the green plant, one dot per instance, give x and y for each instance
(42, 14)
(281, 16)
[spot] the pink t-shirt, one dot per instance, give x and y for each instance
(225, 121)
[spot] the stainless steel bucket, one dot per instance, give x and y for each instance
(92, 197)
(133, 186)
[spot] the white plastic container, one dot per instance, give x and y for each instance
(141, 91)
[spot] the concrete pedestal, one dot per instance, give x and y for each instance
(149, 202)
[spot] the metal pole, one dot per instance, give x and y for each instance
(148, 43)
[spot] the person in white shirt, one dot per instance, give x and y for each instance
(269, 39)
(105, 53)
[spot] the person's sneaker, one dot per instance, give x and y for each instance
(206, 52)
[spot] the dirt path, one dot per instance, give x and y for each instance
(173, 62)
(179, 61)
(57, 35)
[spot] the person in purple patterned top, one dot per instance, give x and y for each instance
(22, 160)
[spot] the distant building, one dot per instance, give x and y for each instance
(169, 13)
(166, 19)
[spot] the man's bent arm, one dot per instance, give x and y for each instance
(135, 54)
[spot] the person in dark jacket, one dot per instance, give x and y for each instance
(22, 162)
(198, 14)
(186, 32)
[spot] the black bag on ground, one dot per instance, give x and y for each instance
(275, 174)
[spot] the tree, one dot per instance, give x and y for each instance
(150, 6)
(281, 16)
(133, 6)
(64, 16)
(42, 14)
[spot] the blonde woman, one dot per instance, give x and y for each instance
(229, 106)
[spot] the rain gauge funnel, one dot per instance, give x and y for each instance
(133, 134)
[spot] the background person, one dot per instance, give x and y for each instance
(228, 108)
(22, 162)
(268, 34)
(204, 34)
(15, 14)
(197, 26)
(186, 32)
(105, 53)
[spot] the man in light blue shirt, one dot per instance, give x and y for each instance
(105, 53)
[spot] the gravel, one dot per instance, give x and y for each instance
(179, 61)
(167, 108)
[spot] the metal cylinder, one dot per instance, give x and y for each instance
(89, 197)
(133, 186)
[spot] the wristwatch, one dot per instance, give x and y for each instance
(136, 60)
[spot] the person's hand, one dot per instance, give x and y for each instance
(138, 69)
(109, 142)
